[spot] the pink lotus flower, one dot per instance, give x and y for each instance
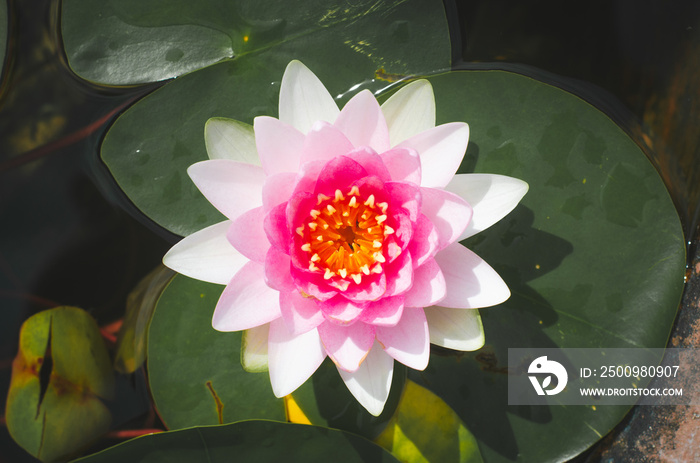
(342, 235)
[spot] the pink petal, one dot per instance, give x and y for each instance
(347, 345)
(303, 98)
(307, 176)
(408, 341)
(410, 111)
(471, 283)
(247, 235)
(247, 301)
(206, 255)
(362, 121)
(491, 196)
(371, 288)
(276, 228)
(324, 142)
(428, 286)
(403, 165)
(254, 349)
(448, 212)
(279, 145)
(441, 150)
(371, 162)
(425, 241)
(300, 313)
(292, 359)
(384, 312)
(456, 329)
(278, 189)
(232, 187)
(341, 311)
(405, 195)
(312, 283)
(278, 271)
(338, 173)
(399, 275)
(371, 383)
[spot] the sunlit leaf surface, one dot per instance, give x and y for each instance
(594, 256)
(124, 42)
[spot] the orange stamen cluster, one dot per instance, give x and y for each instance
(346, 236)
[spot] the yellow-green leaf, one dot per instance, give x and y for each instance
(425, 429)
(60, 373)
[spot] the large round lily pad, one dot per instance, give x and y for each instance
(594, 256)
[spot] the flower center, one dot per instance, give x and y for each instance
(346, 236)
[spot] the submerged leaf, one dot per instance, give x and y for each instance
(425, 429)
(140, 304)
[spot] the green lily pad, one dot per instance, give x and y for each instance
(594, 256)
(60, 375)
(246, 441)
(196, 376)
(194, 371)
(126, 42)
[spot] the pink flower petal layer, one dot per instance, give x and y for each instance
(247, 301)
(300, 313)
(247, 235)
(408, 341)
(278, 144)
(292, 358)
(347, 345)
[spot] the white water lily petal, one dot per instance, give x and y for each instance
(279, 145)
(362, 121)
(206, 255)
(456, 329)
(304, 99)
(371, 383)
(471, 283)
(410, 111)
(230, 139)
(491, 196)
(232, 187)
(292, 359)
(441, 150)
(254, 349)
(247, 301)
